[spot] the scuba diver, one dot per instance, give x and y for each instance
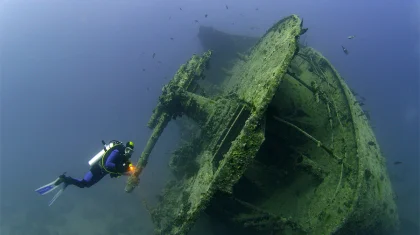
(113, 159)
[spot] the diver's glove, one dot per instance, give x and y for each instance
(125, 167)
(121, 169)
(128, 168)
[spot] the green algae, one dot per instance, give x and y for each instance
(312, 172)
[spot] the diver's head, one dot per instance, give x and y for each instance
(129, 148)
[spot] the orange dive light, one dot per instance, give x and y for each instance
(131, 168)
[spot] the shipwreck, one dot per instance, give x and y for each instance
(276, 143)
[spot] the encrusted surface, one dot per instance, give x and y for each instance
(282, 145)
(256, 90)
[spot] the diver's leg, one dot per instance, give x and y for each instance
(85, 182)
(76, 182)
(92, 177)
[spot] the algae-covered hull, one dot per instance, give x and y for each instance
(279, 144)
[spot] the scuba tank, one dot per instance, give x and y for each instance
(113, 144)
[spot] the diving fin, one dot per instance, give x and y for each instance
(58, 194)
(51, 187)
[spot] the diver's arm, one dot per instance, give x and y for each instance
(128, 168)
(110, 162)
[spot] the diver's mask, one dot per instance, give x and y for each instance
(128, 151)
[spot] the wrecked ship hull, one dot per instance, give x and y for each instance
(281, 146)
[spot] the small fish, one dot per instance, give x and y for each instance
(154, 54)
(345, 50)
(160, 62)
(172, 38)
(196, 21)
(148, 89)
(227, 8)
(351, 37)
(144, 70)
(205, 15)
(397, 162)
(256, 9)
(170, 17)
(180, 8)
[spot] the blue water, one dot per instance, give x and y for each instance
(74, 72)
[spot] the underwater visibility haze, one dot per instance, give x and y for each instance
(248, 117)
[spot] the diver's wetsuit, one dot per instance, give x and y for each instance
(114, 163)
